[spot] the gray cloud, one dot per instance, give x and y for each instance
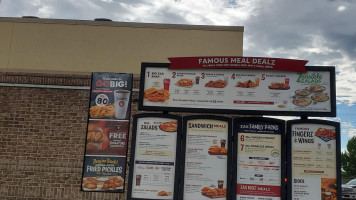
(321, 31)
(294, 24)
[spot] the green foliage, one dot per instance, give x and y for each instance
(348, 159)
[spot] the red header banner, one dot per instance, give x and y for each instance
(226, 62)
(258, 190)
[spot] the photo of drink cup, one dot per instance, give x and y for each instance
(197, 78)
(122, 98)
(138, 180)
(222, 142)
(220, 184)
(226, 79)
(166, 83)
(257, 80)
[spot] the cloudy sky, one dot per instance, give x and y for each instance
(321, 31)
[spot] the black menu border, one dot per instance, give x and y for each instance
(332, 95)
(133, 147)
(229, 154)
(289, 150)
(281, 124)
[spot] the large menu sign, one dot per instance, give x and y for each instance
(314, 161)
(107, 133)
(155, 150)
(259, 159)
(206, 144)
(252, 91)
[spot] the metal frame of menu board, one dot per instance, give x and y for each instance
(312, 122)
(133, 151)
(277, 111)
(184, 146)
(259, 123)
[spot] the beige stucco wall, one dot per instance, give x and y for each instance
(85, 46)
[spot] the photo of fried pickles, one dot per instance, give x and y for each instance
(90, 183)
(103, 183)
(102, 111)
(114, 182)
(156, 95)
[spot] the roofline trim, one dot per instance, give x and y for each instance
(122, 24)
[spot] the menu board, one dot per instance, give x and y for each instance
(238, 90)
(314, 158)
(155, 147)
(107, 133)
(205, 145)
(259, 158)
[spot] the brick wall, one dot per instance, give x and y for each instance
(42, 137)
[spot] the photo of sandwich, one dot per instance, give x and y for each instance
(185, 82)
(162, 193)
(96, 139)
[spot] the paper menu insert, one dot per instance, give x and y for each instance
(155, 157)
(206, 159)
(314, 161)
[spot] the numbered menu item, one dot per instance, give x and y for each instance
(259, 160)
(313, 161)
(154, 170)
(239, 89)
(206, 159)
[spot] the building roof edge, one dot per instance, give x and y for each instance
(122, 24)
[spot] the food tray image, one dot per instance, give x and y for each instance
(317, 88)
(302, 101)
(185, 82)
(215, 196)
(325, 139)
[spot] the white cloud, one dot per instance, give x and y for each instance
(341, 8)
(45, 11)
(351, 132)
(348, 129)
(347, 124)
